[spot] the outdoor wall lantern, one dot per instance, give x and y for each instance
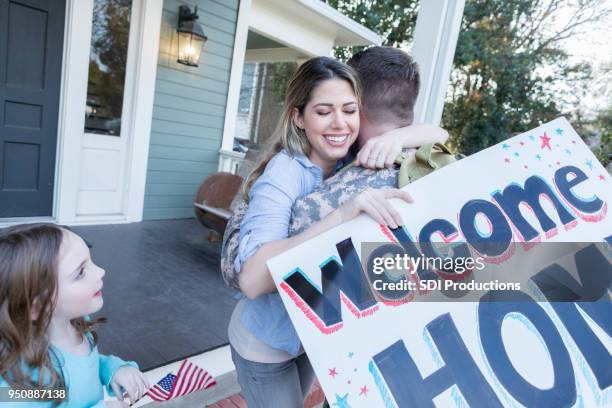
(191, 37)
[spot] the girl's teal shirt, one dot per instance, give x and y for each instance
(85, 377)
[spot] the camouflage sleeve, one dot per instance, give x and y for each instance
(334, 192)
(229, 248)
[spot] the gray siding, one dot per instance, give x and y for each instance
(189, 110)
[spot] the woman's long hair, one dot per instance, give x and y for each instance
(288, 135)
(28, 287)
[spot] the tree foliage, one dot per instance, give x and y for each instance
(510, 70)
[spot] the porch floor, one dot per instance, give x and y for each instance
(163, 292)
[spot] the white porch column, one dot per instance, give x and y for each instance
(233, 92)
(435, 39)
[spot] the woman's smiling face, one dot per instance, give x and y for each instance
(330, 120)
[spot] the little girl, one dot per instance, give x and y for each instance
(48, 288)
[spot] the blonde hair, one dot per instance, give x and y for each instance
(288, 135)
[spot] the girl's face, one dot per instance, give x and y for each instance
(330, 121)
(79, 289)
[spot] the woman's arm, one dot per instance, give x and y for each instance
(381, 151)
(418, 135)
(255, 278)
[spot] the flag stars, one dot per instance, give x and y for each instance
(545, 141)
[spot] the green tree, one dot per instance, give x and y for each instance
(393, 20)
(603, 123)
(510, 71)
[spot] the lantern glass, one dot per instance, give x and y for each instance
(190, 48)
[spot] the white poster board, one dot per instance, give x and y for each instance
(543, 186)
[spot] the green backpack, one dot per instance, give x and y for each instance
(427, 158)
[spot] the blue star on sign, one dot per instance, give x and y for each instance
(559, 131)
(516, 154)
(538, 157)
(342, 402)
(505, 146)
(531, 137)
(589, 163)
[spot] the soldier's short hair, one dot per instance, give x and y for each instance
(390, 81)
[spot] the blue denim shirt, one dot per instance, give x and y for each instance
(284, 180)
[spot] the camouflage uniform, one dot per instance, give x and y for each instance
(307, 210)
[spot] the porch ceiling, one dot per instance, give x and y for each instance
(310, 27)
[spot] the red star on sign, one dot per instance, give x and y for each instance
(507, 160)
(333, 372)
(545, 141)
(601, 177)
(363, 390)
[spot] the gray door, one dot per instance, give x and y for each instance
(31, 39)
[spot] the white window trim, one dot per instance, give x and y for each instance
(75, 64)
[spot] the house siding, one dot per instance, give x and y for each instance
(189, 110)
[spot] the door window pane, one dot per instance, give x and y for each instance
(107, 62)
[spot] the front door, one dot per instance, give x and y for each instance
(31, 38)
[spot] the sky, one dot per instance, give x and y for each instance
(594, 46)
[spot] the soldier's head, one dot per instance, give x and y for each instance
(390, 86)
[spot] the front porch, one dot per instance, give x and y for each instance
(163, 292)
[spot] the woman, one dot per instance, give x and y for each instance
(319, 124)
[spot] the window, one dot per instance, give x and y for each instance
(107, 64)
(260, 106)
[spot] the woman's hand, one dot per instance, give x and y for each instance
(133, 382)
(379, 152)
(375, 203)
(255, 278)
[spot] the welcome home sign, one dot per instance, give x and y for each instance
(370, 349)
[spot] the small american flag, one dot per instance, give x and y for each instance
(189, 378)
